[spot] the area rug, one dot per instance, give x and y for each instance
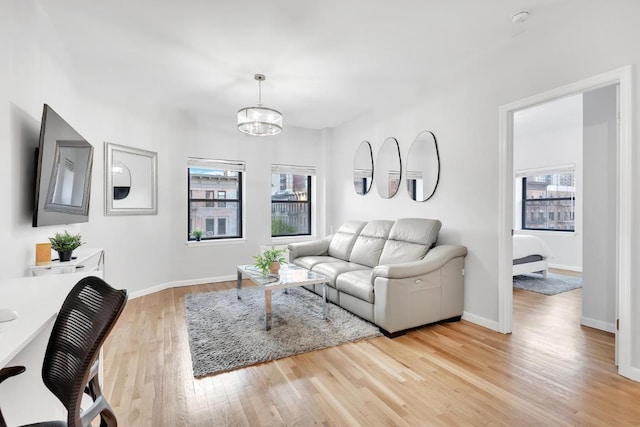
(226, 333)
(552, 285)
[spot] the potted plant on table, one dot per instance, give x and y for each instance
(269, 261)
(197, 234)
(65, 244)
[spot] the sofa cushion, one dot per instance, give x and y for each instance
(309, 261)
(409, 240)
(357, 284)
(369, 243)
(333, 269)
(344, 239)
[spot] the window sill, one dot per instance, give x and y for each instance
(547, 232)
(292, 239)
(203, 243)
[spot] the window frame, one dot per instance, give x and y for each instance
(235, 166)
(310, 173)
(546, 200)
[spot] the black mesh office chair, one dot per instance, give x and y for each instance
(71, 365)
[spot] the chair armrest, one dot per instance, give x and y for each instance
(432, 261)
(315, 247)
(11, 371)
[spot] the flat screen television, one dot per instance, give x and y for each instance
(63, 173)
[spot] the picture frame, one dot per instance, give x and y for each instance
(131, 180)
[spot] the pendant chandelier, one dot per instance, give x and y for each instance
(259, 121)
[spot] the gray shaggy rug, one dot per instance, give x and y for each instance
(553, 284)
(226, 333)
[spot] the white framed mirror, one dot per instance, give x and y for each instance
(131, 180)
(423, 167)
(388, 168)
(363, 168)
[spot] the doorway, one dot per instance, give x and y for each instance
(621, 77)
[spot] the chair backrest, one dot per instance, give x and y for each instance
(369, 243)
(343, 240)
(87, 316)
(410, 239)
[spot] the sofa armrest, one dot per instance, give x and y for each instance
(315, 247)
(432, 261)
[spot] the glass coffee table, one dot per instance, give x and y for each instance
(290, 276)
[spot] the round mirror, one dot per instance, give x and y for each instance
(388, 168)
(363, 168)
(423, 167)
(121, 180)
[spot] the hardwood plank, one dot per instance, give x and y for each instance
(550, 371)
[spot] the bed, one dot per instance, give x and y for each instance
(530, 254)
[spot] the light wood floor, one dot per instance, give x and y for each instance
(550, 371)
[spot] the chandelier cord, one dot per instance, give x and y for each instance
(259, 93)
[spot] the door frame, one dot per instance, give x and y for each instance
(624, 78)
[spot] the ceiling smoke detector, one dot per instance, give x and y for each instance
(520, 17)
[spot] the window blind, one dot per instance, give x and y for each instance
(230, 165)
(294, 170)
(546, 171)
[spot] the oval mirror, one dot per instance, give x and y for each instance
(388, 168)
(363, 168)
(423, 167)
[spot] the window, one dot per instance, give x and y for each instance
(208, 228)
(548, 200)
(222, 195)
(291, 200)
(222, 226)
(215, 198)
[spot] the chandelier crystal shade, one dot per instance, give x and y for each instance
(259, 120)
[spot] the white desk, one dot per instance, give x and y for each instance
(23, 342)
(89, 259)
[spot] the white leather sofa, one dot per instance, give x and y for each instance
(390, 273)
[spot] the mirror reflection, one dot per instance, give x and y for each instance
(363, 168)
(70, 178)
(121, 176)
(423, 167)
(388, 168)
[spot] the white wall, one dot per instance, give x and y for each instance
(546, 136)
(41, 72)
(600, 201)
(221, 140)
(462, 111)
(142, 252)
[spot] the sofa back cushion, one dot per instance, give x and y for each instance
(343, 240)
(409, 240)
(369, 244)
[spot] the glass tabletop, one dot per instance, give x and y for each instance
(289, 274)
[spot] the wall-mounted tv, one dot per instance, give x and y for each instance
(63, 173)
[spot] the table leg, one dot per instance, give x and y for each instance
(267, 309)
(325, 297)
(239, 284)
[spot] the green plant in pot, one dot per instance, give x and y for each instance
(65, 244)
(197, 234)
(269, 261)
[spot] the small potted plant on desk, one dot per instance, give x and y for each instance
(197, 234)
(65, 244)
(269, 261)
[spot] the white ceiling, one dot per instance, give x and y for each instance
(326, 61)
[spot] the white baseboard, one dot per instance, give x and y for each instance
(566, 267)
(632, 373)
(482, 321)
(598, 324)
(179, 283)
